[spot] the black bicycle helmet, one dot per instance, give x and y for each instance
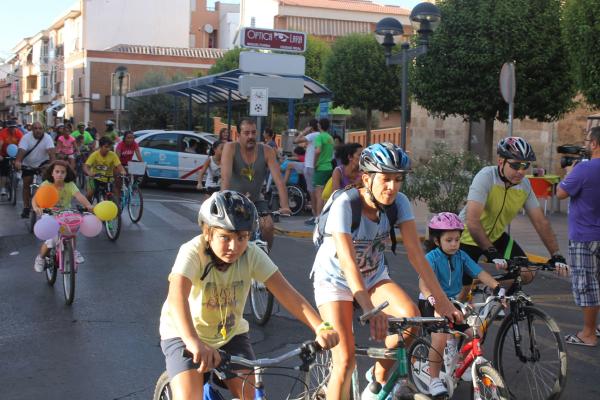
(229, 210)
(384, 158)
(515, 148)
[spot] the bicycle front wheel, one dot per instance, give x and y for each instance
(162, 391)
(113, 227)
(68, 264)
(12, 191)
(530, 354)
(261, 302)
(295, 199)
(135, 207)
(50, 268)
(316, 378)
(490, 384)
(418, 364)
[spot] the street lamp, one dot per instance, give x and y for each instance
(424, 18)
(120, 72)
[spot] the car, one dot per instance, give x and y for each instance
(174, 156)
(144, 131)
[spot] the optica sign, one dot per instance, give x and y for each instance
(274, 39)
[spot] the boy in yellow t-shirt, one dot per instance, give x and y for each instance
(101, 166)
(208, 288)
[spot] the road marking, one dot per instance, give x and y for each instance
(172, 218)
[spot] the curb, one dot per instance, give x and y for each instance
(308, 235)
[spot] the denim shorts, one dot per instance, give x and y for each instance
(177, 363)
(585, 273)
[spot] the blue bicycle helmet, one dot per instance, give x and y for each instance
(384, 158)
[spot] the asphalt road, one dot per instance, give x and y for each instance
(106, 345)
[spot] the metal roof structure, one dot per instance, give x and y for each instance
(222, 88)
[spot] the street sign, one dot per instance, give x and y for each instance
(273, 39)
(259, 102)
(279, 87)
(272, 63)
(508, 85)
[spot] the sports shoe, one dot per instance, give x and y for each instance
(78, 257)
(310, 221)
(437, 388)
(25, 212)
(367, 394)
(39, 264)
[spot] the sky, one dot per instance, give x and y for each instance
(24, 18)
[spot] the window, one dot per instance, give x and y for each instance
(162, 141)
(31, 82)
(107, 102)
(72, 87)
(44, 83)
(119, 84)
(44, 53)
(212, 40)
(193, 145)
(80, 85)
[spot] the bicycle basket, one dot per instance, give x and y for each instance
(136, 168)
(69, 222)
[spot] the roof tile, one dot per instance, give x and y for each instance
(350, 5)
(168, 51)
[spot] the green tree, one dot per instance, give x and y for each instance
(156, 111)
(581, 27)
(316, 54)
(357, 75)
(443, 182)
(459, 74)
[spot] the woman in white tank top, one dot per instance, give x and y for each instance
(212, 169)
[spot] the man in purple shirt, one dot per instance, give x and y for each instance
(582, 185)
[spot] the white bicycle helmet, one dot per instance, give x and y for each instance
(515, 148)
(229, 210)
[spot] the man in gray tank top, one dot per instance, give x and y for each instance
(244, 167)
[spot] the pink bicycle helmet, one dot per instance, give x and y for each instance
(446, 221)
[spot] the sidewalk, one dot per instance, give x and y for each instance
(521, 230)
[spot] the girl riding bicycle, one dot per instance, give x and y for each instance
(61, 176)
(448, 263)
(208, 288)
(350, 265)
(212, 169)
(65, 146)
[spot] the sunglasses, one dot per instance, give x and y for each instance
(519, 165)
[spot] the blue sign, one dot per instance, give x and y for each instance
(324, 108)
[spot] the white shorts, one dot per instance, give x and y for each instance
(327, 292)
(308, 177)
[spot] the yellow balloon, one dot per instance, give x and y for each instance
(106, 210)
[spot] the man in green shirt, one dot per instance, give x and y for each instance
(110, 132)
(88, 139)
(323, 167)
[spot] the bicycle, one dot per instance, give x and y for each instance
(486, 381)
(529, 351)
(261, 299)
(131, 197)
(62, 255)
(104, 191)
(12, 182)
(80, 177)
(307, 352)
(35, 184)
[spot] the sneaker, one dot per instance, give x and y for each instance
(367, 394)
(25, 213)
(437, 388)
(39, 264)
(78, 257)
(310, 221)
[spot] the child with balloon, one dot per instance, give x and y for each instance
(57, 191)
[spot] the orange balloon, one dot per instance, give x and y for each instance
(46, 196)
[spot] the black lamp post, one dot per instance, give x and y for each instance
(424, 18)
(120, 72)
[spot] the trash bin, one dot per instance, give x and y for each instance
(287, 140)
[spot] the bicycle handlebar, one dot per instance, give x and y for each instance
(306, 351)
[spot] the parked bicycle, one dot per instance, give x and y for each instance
(62, 256)
(529, 351)
(104, 191)
(307, 353)
(486, 381)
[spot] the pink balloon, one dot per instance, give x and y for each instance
(46, 228)
(90, 226)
